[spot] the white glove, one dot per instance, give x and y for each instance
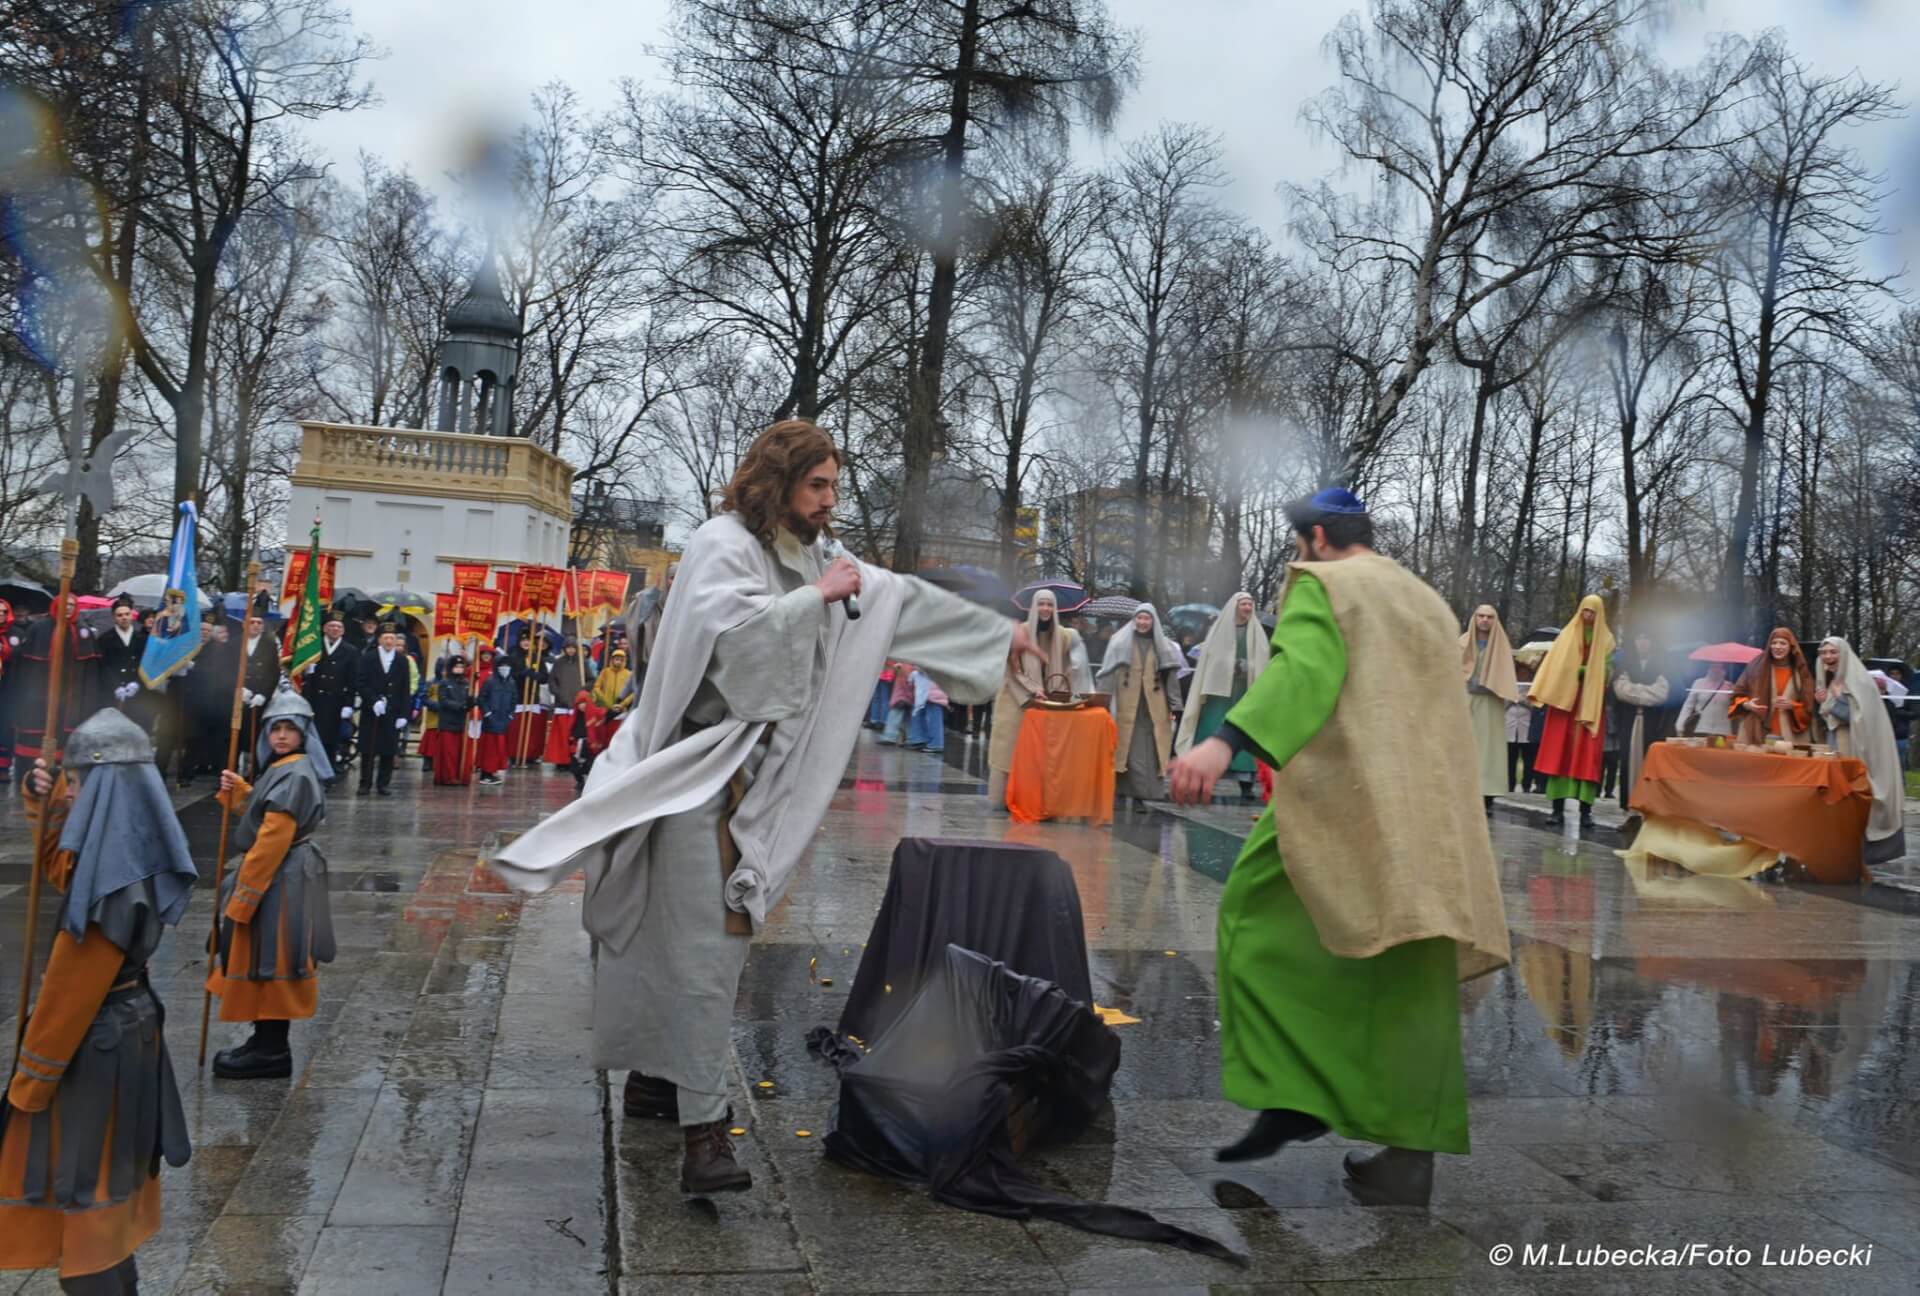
(401, 723)
(246, 697)
(259, 699)
(379, 706)
(346, 713)
(86, 632)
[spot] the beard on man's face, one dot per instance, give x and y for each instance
(807, 529)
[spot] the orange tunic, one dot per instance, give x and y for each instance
(284, 998)
(78, 977)
(1776, 719)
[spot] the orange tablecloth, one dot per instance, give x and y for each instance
(1063, 766)
(1814, 810)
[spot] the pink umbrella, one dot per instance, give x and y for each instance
(1733, 654)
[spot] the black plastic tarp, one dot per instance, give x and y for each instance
(1016, 904)
(979, 1056)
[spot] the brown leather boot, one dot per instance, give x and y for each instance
(708, 1166)
(1390, 1177)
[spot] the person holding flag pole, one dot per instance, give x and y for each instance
(236, 716)
(304, 649)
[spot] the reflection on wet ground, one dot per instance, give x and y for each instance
(1668, 1060)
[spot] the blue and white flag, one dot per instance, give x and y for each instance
(176, 631)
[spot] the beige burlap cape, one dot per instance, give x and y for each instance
(1378, 819)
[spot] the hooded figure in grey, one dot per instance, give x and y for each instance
(281, 903)
(93, 1107)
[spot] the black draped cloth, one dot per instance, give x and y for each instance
(1015, 904)
(979, 1066)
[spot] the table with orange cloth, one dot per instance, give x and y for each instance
(1063, 766)
(1812, 809)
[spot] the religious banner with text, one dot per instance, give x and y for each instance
(509, 584)
(540, 589)
(609, 589)
(469, 576)
(479, 611)
(294, 585)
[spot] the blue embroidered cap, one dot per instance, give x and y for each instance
(1336, 500)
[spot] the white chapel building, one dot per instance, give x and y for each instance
(400, 507)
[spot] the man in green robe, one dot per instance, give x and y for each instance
(1368, 888)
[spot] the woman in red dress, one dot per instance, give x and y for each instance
(1572, 685)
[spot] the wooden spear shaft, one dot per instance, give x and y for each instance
(226, 812)
(50, 744)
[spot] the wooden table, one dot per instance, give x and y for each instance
(1811, 809)
(1063, 766)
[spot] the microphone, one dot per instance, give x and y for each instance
(830, 548)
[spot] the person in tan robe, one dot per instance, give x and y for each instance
(1064, 666)
(1486, 658)
(1141, 670)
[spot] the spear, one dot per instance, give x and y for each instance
(79, 479)
(226, 812)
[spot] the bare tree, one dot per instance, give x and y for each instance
(1511, 133)
(1157, 225)
(1797, 205)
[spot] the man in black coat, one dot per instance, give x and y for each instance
(116, 666)
(330, 686)
(262, 649)
(386, 699)
(205, 691)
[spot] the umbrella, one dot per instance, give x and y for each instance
(1533, 653)
(1732, 654)
(1890, 686)
(24, 595)
(974, 584)
(349, 595)
(235, 607)
(1069, 596)
(1112, 605)
(412, 602)
(1197, 616)
(149, 591)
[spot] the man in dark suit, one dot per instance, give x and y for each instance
(330, 685)
(386, 700)
(206, 697)
(116, 666)
(262, 650)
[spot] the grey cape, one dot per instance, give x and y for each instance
(298, 890)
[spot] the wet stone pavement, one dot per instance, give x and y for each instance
(1669, 1061)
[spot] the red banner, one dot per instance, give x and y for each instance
(296, 579)
(540, 588)
(469, 576)
(479, 612)
(446, 615)
(609, 589)
(509, 583)
(570, 590)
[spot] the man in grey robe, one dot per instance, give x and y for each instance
(694, 818)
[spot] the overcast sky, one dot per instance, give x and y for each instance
(1242, 67)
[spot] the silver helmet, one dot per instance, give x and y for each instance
(285, 704)
(107, 738)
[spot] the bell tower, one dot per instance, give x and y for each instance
(479, 358)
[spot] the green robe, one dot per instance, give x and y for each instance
(1369, 1046)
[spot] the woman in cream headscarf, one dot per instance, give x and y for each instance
(1066, 665)
(1142, 672)
(1572, 686)
(1486, 658)
(1232, 658)
(1857, 725)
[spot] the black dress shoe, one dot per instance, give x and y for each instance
(1390, 1177)
(1273, 1130)
(250, 1063)
(363, 790)
(709, 1166)
(385, 791)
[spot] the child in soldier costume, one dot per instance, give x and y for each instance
(93, 1107)
(276, 923)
